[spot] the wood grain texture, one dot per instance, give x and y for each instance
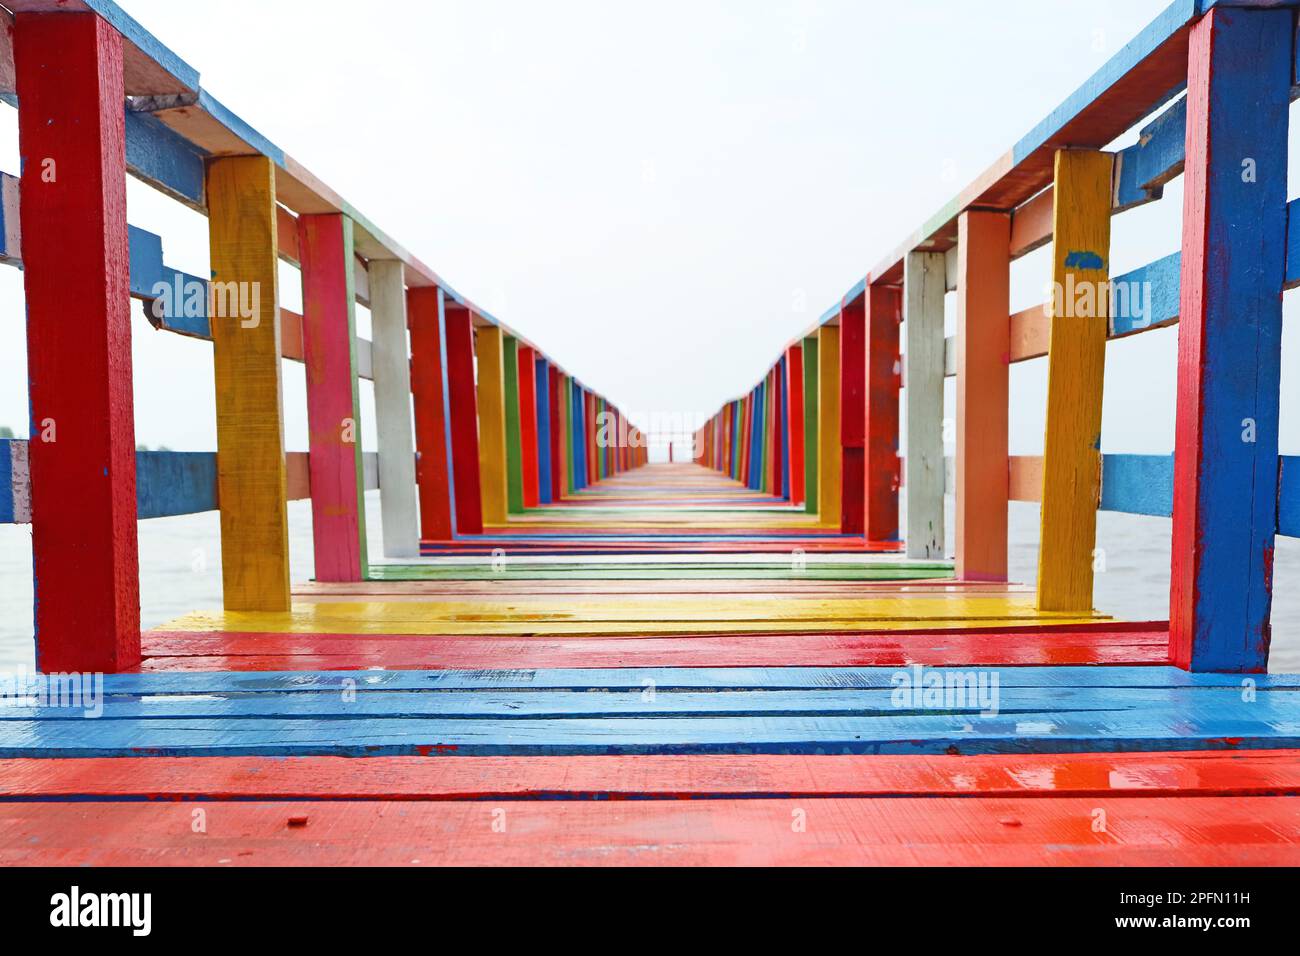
(924, 289)
(489, 347)
(76, 275)
(884, 315)
(462, 405)
(333, 403)
(391, 356)
(1076, 368)
(250, 432)
(828, 408)
(1229, 345)
(983, 304)
(432, 469)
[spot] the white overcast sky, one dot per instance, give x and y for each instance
(647, 190)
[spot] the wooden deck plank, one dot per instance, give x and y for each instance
(174, 650)
(1222, 831)
(651, 777)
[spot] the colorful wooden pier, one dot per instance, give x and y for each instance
(569, 654)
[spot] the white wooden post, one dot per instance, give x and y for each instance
(925, 284)
(392, 371)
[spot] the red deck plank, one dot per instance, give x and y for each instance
(212, 651)
(1257, 773)
(1208, 831)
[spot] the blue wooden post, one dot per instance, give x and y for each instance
(1230, 335)
(544, 478)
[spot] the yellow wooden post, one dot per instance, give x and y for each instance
(245, 321)
(828, 466)
(490, 348)
(1080, 310)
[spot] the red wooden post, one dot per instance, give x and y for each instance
(853, 411)
(75, 258)
(794, 389)
(883, 319)
(333, 406)
(527, 361)
(432, 475)
(463, 403)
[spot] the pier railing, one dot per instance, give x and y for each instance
(1213, 82)
(98, 99)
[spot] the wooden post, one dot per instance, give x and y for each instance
(811, 425)
(338, 488)
(82, 449)
(528, 424)
(559, 438)
(542, 382)
(433, 471)
(462, 412)
(983, 343)
(828, 380)
(853, 412)
(572, 482)
(489, 345)
(780, 441)
(881, 478)
(246, 360)
(924, 288)
(1229, 339)
(1076, 365)
(391, 359)
(795, 416)
(514, 444)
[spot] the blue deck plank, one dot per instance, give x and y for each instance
(1156, 729)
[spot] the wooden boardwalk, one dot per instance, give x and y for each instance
(658, 707)
(567, 651)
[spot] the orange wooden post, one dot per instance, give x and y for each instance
(983, 344)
